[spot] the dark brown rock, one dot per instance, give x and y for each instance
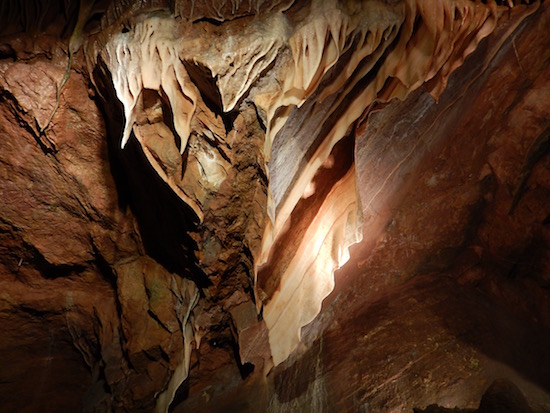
(503, 396)
(447, 291)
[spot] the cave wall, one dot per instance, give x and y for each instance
(176, 230)
(432, 306)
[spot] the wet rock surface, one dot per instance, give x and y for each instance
(131, 277)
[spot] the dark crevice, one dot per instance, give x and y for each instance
(228, 119)
(206, 83)
(104, 268)
(181, 395)
(34, 312)
(46, 145)
(164, 220)
(47, 269)
(202, 77)
(538, 150)
(7, 52)
(158, 320)
(33, 16)
(51, 271)
(261, 120)
(209, 20)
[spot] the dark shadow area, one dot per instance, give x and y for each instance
(165, 221)
(245, 369)
(43, 357)
(479, 321)
(31, 16)
(181, 395)
(202, 77)
(502, 396)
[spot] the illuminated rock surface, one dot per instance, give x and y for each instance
(273, 205)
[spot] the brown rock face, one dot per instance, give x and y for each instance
(280, 206)
(501, 396)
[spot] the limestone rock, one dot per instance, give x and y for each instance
(273, 205)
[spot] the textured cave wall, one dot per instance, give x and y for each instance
(189, 261)
(405, 327)
(448, 291)
(297, 80)
(89, 322)
(453, 295)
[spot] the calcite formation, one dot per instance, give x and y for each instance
(251, 144)
(328, 59)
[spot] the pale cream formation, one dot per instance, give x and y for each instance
(187, 299)
(147, 57)
(447, 33)
(309, 277)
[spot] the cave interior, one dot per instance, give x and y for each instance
(275, 206)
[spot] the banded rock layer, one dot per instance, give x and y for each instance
(244, 139)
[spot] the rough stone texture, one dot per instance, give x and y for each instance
(80, 302)
(434, 224)
(501, 396)
(135, 276)
(411, 322)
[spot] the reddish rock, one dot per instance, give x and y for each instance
(447, 292)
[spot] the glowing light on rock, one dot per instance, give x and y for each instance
(309, 278)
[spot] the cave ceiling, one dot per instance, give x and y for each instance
(272, 196)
